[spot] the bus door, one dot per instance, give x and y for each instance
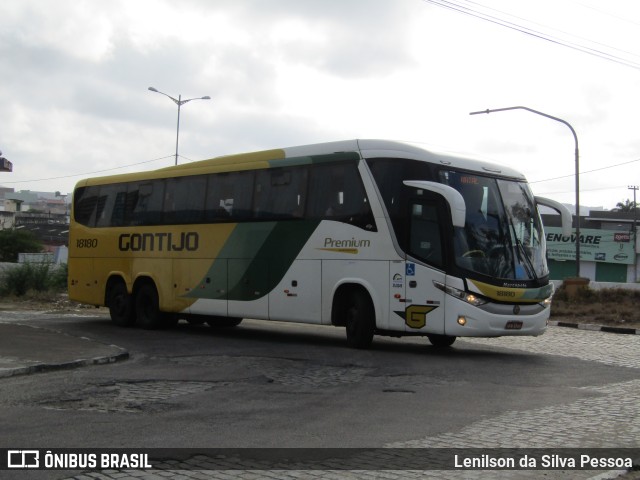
(424, 267)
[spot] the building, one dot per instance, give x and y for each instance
(608, 247)
(45, 214)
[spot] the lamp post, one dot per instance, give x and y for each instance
(577, 162)
(179, 102)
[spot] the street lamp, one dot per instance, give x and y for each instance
(577, 162)
(179, 102)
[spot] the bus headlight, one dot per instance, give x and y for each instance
(546, 303)
(470, 298)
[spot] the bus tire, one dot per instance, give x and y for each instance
(121, 305)
(441, 341)
(359, 320)
(223, 322)
(148, 314)
(170, 320)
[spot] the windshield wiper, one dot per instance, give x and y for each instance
(522, 253)
(531, 269)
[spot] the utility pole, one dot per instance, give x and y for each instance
(635, 233)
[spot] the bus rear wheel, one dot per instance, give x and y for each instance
(148, 314)
(359, 320)
(441, 341)
(121, 305)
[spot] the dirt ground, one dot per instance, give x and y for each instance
(49, 303)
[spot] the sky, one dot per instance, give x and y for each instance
(75, 77)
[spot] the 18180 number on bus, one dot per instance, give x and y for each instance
(86, 243)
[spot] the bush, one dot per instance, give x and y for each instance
(608, 305)
(586, 295)
(16, 281)
(37, 277)
(58, 278)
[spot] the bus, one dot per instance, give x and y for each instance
(379, 237)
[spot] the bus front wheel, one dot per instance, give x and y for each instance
(360, 320)
(148, 313)
(121, 306)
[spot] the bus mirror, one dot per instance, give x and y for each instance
(451, 195)
(565, 214)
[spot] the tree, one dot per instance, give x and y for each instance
(627, 206)
(14, 241)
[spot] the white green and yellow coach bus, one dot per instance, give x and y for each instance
(379, 237)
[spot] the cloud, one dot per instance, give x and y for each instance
(285, 72)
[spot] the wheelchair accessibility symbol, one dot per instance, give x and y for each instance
(411, 269)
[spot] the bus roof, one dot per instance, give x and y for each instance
(301, 154)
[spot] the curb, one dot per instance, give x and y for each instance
(595, 328)
(84, 356)
(50, 367)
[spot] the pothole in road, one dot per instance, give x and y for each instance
(130, 397)
(282, 371)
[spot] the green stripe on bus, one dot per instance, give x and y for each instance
(254, 259)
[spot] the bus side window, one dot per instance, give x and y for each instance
(229, 197)
(147, 209)
(336, 193)
(184, 199)
(85, 202)
(425, 237)
(110, 207)
(280, 193)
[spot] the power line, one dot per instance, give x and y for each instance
(609, 14)
(588, 171)
(585, 190)
(87, 174)
(467, 10)
(578, 37)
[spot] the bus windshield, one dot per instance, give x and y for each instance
(502, 236)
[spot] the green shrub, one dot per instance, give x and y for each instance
(16, 281)
(58, 278)
(36, 277)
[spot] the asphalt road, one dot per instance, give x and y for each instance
(268, 384)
